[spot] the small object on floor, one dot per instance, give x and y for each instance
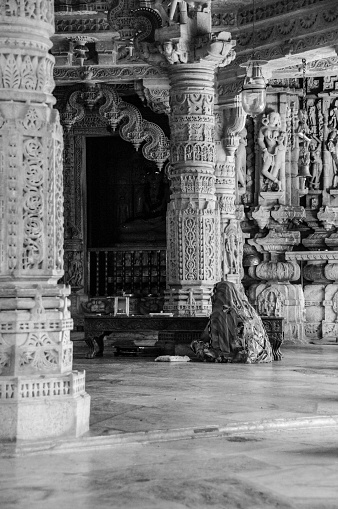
(172, 358)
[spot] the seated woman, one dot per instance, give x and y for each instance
(235, 332)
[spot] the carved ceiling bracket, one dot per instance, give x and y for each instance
(154, 94)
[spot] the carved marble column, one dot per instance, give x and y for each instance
(40, 395)
(193, 239)
(230, 184)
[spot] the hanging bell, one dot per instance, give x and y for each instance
(304, 161)
(304, 170)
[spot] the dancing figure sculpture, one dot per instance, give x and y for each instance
(271, 140)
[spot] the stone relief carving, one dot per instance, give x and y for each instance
(39, 352)
(233, 248)
(271, 140)
(26, 72)
(240, 161)
(316, 165)
(74, 268)
(37, 312)
(157, 99)
(133, 128)
(173, 52)
(37, 154)
(104, 73)
(270, 302)
(299, 24)
(215, 48)
(332, 146)
(38, 10)
(5, 354)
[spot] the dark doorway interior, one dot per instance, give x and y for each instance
(126, 207)
(126, 195)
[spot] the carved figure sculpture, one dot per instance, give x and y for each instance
(233, 249)
(38, 311)
(312, 117)
(271, 140)
(172, 52)
(75, 269)
(304, 159)
(332, 148)
(269, 303)
(240, 162)
(316, 165)
(333, 116)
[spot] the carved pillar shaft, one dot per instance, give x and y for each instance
(192, 217)
(230, 182)
(37, 385)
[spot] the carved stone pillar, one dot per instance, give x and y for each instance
(40, 396)
(193, 239)
(230, 181)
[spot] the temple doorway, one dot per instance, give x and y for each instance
(126, 201)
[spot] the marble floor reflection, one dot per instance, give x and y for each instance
(269, 466)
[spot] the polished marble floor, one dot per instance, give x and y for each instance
(265, 470)
(246, 436)
(136, 394)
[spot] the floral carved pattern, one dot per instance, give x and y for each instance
(39, 352)
(5, 351)
(26, 72)
(33, 204)
(12, 188)
(39, 10)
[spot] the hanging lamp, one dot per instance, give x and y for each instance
(254, 87)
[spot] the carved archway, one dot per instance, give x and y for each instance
(118, 114)
(88, 111)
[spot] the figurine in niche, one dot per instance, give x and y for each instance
(271, 140)
(303, 128)
(312, 118)
(316, 165)
(240, 162)
(269, 305)
(233, 252)
(314, 203)
(332, 148)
